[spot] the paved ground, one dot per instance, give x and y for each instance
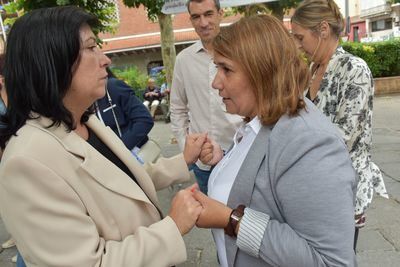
(379, 243)
(380, 240)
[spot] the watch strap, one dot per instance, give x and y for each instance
(234, 219)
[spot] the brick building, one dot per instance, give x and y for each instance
(137, 40)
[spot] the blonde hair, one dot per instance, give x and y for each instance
(269, 57)
(310, 13)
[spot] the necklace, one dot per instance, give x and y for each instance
(314, 73)
(317, 73)
(310, 83)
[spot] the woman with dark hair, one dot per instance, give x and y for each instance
(284, 194)
(71, 194)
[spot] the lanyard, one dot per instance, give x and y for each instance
(112, 106)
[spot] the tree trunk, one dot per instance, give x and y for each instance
(167, 45)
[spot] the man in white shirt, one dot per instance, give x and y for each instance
(195, 106)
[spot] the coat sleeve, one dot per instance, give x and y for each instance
(52, 226)
(167, 171)
(354, 110)
(139, 119)
(314, 184)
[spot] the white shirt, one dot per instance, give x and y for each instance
(225, 172)
(195, 106)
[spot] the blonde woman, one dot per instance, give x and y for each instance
(342, 87)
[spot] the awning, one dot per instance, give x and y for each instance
(179, 6)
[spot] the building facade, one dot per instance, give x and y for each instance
(355, 26)
(382, 19)
(136, 41)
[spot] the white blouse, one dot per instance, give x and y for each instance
(225, 172)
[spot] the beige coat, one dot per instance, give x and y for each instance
(67, 205)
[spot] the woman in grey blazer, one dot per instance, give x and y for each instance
(283, 195)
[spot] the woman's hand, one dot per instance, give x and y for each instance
(214, 214)
(193, 145)
(211, 153)
(185, 210)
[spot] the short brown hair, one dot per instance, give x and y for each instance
(217, 4)
(310, 13)
(269, 57)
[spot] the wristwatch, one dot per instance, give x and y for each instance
(234, 219)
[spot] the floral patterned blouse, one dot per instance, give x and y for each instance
(346, 97)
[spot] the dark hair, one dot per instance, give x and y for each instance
(216, 2)
(43, 49)
(2, 60)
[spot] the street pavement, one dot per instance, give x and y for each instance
(379, 240)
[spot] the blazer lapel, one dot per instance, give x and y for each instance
(99, 168)
(106, 173)
(243, 186)
(119, 149)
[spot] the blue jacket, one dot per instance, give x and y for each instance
(134, 119)
(158, 97)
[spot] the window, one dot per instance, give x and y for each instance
(380, 25)
(114, 15)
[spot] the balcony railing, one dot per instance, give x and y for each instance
(376, 11)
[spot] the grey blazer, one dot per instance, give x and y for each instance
(298, 172)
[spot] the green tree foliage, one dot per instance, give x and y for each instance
(382, 57)
(276, 8)
(154, 13)
(133, 77)
(102, 9)
(153, 7)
